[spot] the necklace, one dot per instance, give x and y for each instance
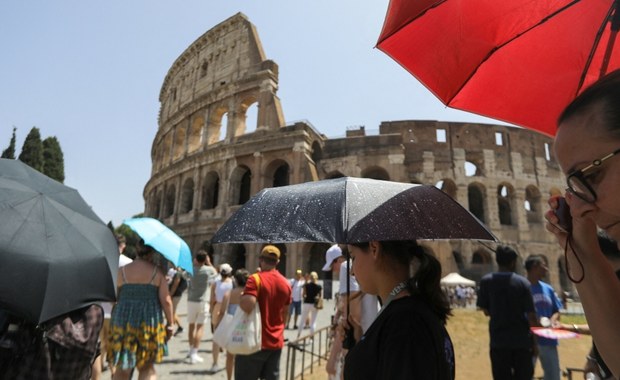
(393, 294)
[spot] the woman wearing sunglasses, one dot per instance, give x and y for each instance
(586, 147)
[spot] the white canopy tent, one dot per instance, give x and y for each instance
(454, 279)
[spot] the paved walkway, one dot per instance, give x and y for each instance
(174, 368)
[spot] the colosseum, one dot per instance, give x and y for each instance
(211, 154)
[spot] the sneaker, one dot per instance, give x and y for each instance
(193, 359)
(215, 368)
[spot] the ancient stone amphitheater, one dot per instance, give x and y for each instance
(222, 137)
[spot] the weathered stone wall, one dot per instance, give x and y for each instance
(203, 170)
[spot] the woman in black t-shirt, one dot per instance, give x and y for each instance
(408, 339)
(311, 293)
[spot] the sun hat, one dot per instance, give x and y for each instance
(225, 269)
(331, 254)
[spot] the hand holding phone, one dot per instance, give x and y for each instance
(565, 220)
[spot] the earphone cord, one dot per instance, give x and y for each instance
(569, 238)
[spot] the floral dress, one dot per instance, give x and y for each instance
(137, 328)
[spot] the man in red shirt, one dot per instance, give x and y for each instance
(273, 295)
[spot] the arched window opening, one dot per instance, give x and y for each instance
(244, 187)
(281, 177)
(179, 143)
(187, 196)
(458, 259)
(251, 118)
(476, 202)
(471, 169)
(504, 198)
(532, 204)
(238, 256)
(317, 152)
(170, 197)
(223, 127)
(211, 191)
(195, 134)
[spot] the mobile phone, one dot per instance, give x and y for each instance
(565, 220)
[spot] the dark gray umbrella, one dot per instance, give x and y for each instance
(56, 255)
(350, 210)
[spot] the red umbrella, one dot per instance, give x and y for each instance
(520, 61)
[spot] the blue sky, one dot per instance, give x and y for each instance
(90, 73)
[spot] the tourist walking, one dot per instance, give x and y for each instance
(197, 306)
(231, 303)
(218, 290)
(506, 298)
(311, 295)
(272, 296)
(138, 332)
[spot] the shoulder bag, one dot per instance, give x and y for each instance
(245, 335)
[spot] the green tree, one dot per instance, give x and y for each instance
(10, 151)
(53, 159)
(32, 150)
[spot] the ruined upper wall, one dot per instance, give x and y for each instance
(228, 53)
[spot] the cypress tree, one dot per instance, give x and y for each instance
(53, 159)
(10, 151)
(32, 150)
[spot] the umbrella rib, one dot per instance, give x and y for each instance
(492, 51)
(597, 39)
(408, 22)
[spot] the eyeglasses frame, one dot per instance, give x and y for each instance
(579, 174)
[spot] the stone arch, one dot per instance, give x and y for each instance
(471, 169)
(210, 191)
(481, 264)
(238, 254)
(476, 195)
(187, 196)
(171, 194)
(334, 174)
(376, 172)
(241, 184)
(317, 152)
(214, 125)
(447, 186)
(505, 204)
(458, 259)
(194, 141)
(277, 173)
(246, 116)
(533, 204)
(179, 142)
(156, 210)
(166, 148)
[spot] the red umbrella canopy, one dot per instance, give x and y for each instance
(520, 61)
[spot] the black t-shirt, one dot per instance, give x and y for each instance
(508, 299)
(312, 290)
(406, 341)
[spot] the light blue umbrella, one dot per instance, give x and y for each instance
(164, 240)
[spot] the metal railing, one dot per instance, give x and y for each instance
(306, 354)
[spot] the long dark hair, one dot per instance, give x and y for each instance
(425, 281)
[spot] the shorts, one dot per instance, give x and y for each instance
(295, 306)
(197, 312)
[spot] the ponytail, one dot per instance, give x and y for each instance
(425, 281)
